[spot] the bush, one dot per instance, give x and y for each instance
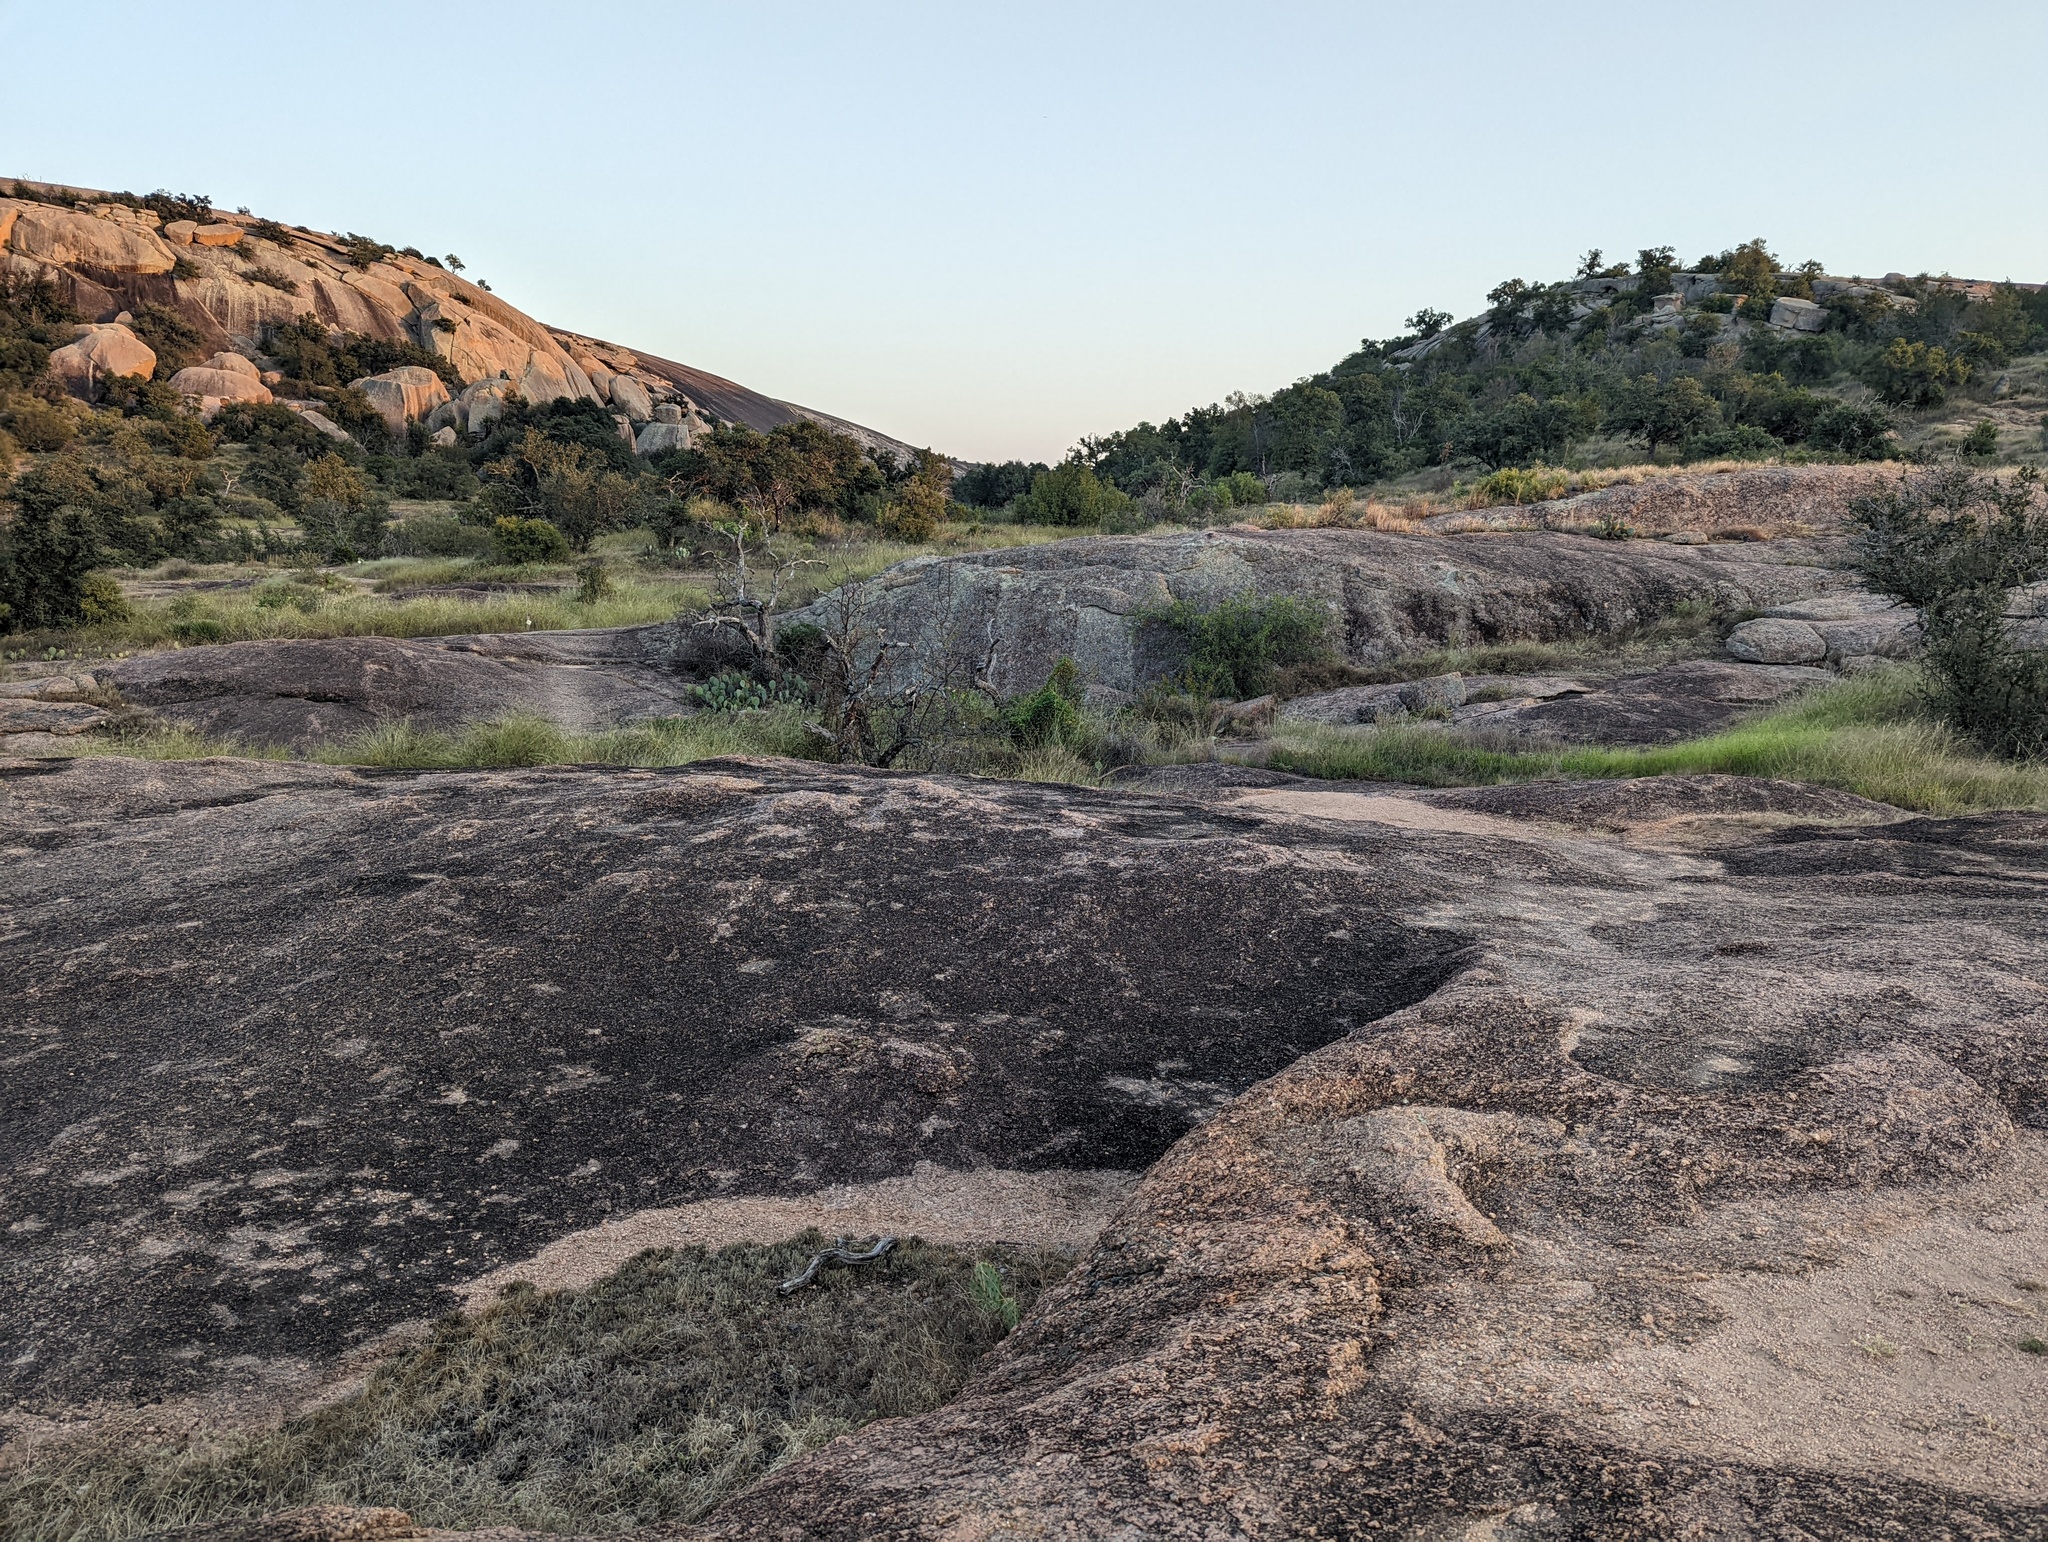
(100, 599)
(1512, 484)
(45, 556)
(1233, 649)
(1982, 440)
(1914, 374)
(1864, 433)
(1051, 714)
(436, 535)
(1956, 544)
(992, 486)
(520, 541)
(40, 426)
(1070, 494)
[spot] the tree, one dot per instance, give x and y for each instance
(1522, 431)
(1667, 413)
(45, 556)
(1589, 265)
(1070, 494)
(1957, 544)
(1428, 321)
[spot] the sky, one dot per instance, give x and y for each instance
(994, 230)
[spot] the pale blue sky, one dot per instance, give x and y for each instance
(994, 230)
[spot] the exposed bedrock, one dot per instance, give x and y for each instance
(1020, 609)
(294, 1050)
(1614, 1160)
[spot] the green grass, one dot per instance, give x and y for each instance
(650, 1396)
(1870, 736)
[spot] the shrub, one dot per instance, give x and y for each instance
(436, 535)
(1864, 433)
(1956, 544)
(22, 359)
(1070, 494)
(100, 599)
(1914, 374)
(1511, 484)
(40, 426)
(176, 341)
(521, 541)
(594, 583)
(1051, 714)
(732, 691)
(45, 556)
(1982, 439)
(1233, 649)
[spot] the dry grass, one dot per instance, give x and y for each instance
(649, 1397)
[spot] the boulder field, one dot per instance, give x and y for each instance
(1609, 1160)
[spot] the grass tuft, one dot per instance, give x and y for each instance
(648, 1397)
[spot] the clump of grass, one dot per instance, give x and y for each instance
(649, 1397)
(1870, 735)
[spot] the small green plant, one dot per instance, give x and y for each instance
(2034, 1344)
(1051, 714)
(100, 599)
(1981, 442)
(991, 1296)
(1877, 1347)
(732, 691)
(1612, 527)
(594, 583)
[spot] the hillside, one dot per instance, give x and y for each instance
(230, 276)
(1737, 356)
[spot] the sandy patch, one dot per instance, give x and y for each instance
(1045, 1209)
(1380, 809)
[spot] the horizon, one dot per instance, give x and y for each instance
(1116, 233)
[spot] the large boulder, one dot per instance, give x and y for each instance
(217, 235)
(235, 363)
(213, 386)
(1796, 315)
(658, 436)
(100, 353)
(632, 398)
(478, 405)
(64, 238)
(403, 395)
(1777, 640)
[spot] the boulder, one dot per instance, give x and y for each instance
(237, 364)
(442, 438)
(631, 398)
(1663, 706)
(100, 353)
(668, 412)
(320, 421)
(217, 235)
(180, 232)
(401, 395)
(1774, 640)
(479, 405)
(29, 716)
(658, 436)
(1798, 315)
(66, 239)
(220, 385)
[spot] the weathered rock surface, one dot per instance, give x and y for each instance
(220, 385)
(1768, 500)
(1777, 641)
(1659, 706)
(1628, 1163)
(100, 353)
(302, 693)
(1796, 315)
(403, 395)
(1018, 611)
(64, 238)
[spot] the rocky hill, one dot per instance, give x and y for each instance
(232, 275)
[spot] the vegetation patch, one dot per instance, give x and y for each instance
(1874, 736)
(651, 1396)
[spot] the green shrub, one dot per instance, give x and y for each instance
(1981, 441)
(1914, 374)
(1864, 433)
(40, 426)
(1232, 650)
(1051, 714)
(594, 583)
(100, 599)
(1070, 494)
(1956, 544)
(732, 691)
(46, 554)
(522, 541)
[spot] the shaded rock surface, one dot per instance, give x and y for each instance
(1573, 1187)
(1659, 706)
(298, 694)
(1016, 612)
(1773, 500)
